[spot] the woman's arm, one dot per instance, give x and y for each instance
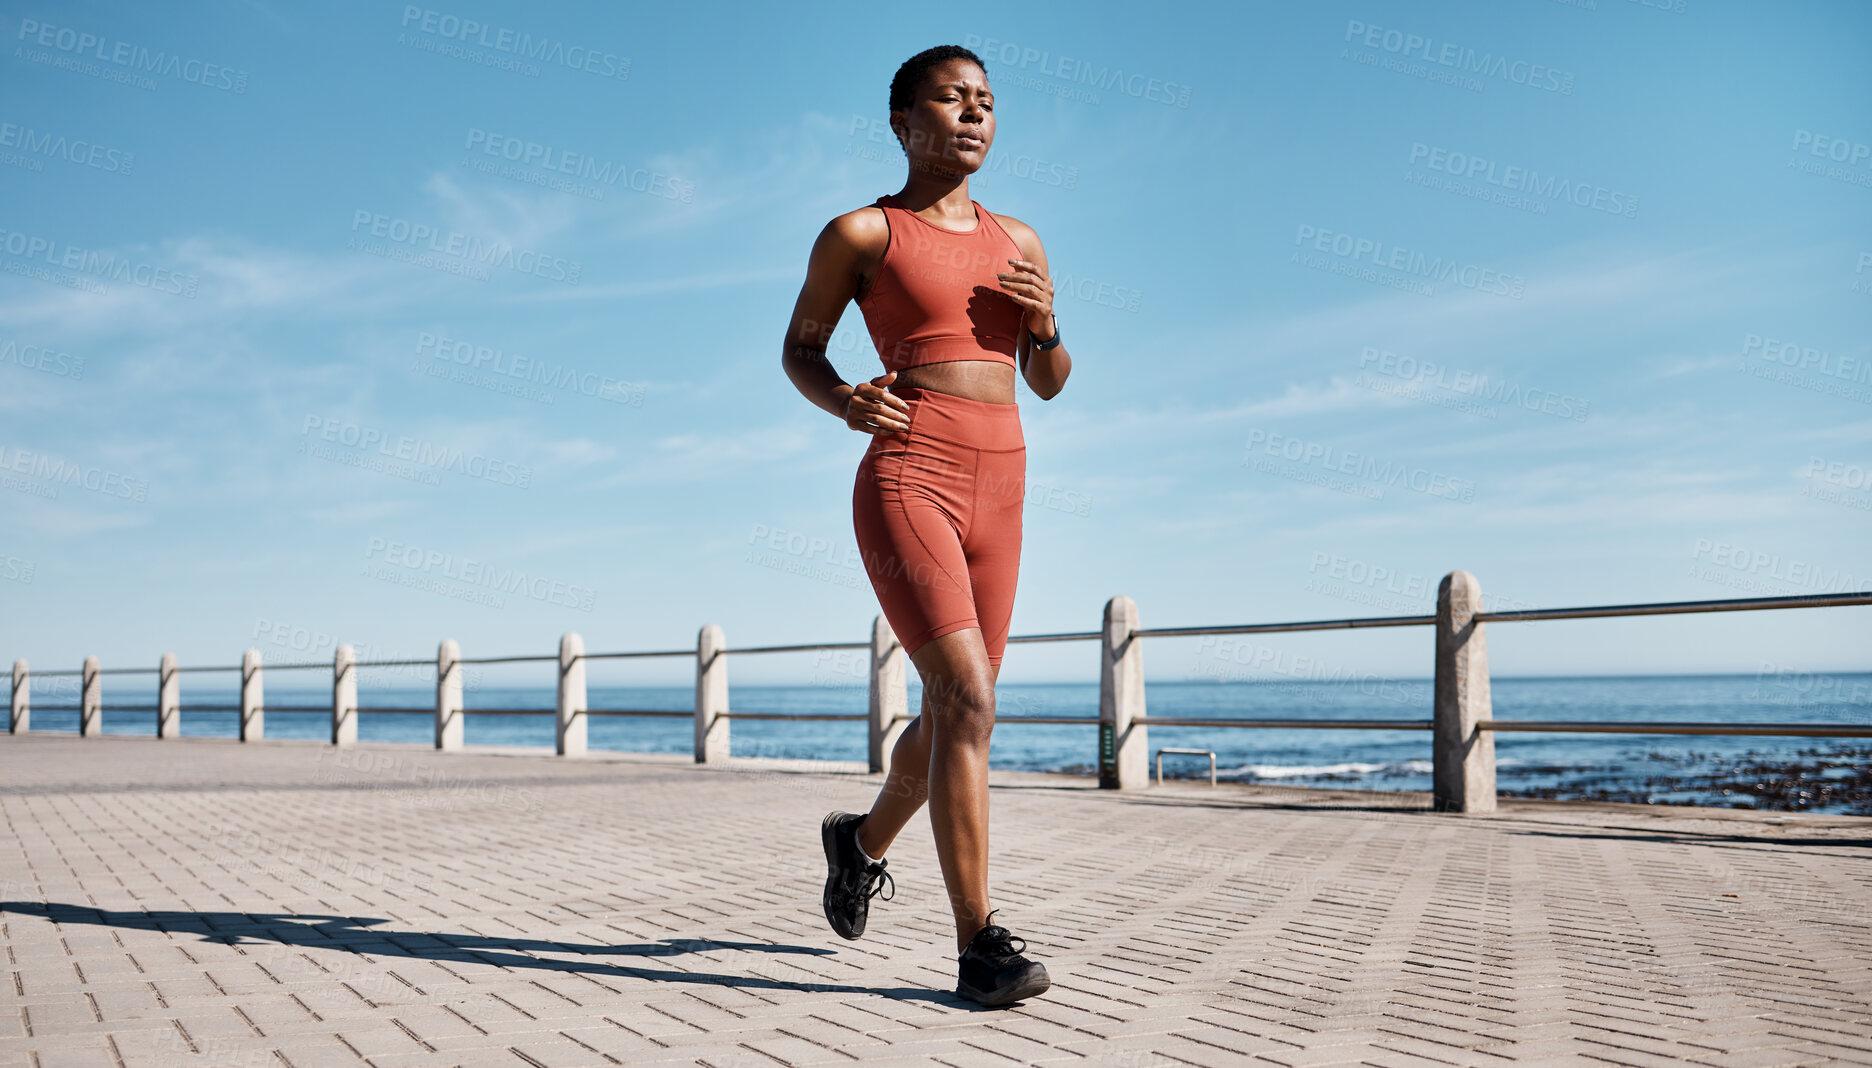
(1028, 282)
(832, 276)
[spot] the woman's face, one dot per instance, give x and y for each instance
(949, 125)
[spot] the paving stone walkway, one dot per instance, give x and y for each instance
(201, 902)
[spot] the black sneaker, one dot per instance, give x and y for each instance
(850, 883)
(993, 971)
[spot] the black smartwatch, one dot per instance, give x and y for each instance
(1049, 343)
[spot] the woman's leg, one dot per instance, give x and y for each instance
(939, 526)
(943, 757)
(906, 786)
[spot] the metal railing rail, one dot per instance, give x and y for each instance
(1068, 636)
(1830, 600)
(1324, 723)
(197, 708)
(1668, 608)
(1287, 628)
(1462, 723)
(631, 656)
(508, 660)
(1588, 726)
(803, 648)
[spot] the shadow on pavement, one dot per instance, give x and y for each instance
(360, 935)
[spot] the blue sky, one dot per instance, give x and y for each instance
(389, 323)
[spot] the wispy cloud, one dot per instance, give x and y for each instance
(691, 283)
(707, 457)
(64, 519)
(1678, 366)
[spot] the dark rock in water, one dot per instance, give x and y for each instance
(1829, 780)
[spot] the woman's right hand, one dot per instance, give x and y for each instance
(874, 409)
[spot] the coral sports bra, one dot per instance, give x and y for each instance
(936, 298)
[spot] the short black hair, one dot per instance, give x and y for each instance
(904, 85)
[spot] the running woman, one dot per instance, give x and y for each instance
(955, 298)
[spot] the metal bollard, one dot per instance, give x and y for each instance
(1210, 753)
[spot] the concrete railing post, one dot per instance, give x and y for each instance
(22, 699)
(890, 705)
(448, 707)
(344, 720)
(1464, 757)
(572, 718)
(1124, 746)
(252, 698)
(90, 701)
(711, 696)
(168, 698)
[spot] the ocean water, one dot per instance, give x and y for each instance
(1814, 774)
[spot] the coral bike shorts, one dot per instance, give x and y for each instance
(937, 513)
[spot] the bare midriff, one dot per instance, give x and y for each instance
(991, 381)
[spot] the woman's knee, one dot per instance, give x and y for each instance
(964, 707)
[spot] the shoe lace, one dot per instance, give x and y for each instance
(875, 880)
(997, 942)
(870, 882)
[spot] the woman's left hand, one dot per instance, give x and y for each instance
(1029, 285)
